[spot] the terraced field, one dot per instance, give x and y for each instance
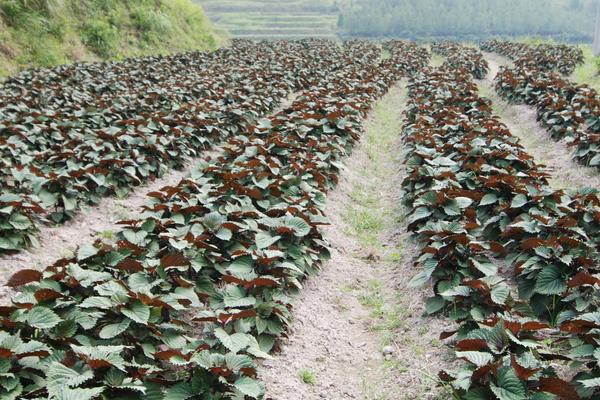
(268, 19)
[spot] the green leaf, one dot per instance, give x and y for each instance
(224, 234)
(452, 208)
(434, 304)
(42, 318)
(419, 214)
(86, 251)
(181, 391)
(78, 394)
(137, 312)
(70, 203)
(135, 237)
(590, 383)
(298, 225)
(249, 387)
(422, 277)
(486, 268)
(551, 280)
(20, 222)
(234, 343)
(97, 302)
(235, 296)
(60, 375)
(112, 330)
(264, 240)
(500, 293)
(519, 201)
(479, 358)
(463, 202)
(509, 386)
(488, 199)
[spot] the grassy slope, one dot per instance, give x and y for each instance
(51, 32)
(588, 72)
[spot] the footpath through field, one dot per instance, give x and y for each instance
(522, 122)
(359, 330)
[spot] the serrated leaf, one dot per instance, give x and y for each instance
(519, 201)
(478, 358)
(137, 312)
(485, 267)
(60, 375)
(264, 240)
(234, 343)
(111, 330)
(500, 293)
(434, 304)
(42, 318)
(249, 387)
(550, 280)
(86, 251)
(509, 387)
(488, 199)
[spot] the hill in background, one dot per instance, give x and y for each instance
(52, 32)
(274, 19)
(568, 20)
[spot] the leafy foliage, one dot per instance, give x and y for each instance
(544, 56)
(199, 286)
(461, 57)
(100, 129)
(480, 204)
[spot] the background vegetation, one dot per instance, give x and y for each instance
(471, 19)
(274, 19)
(52, 32)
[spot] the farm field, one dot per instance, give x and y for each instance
(302, 219)
(268, 19)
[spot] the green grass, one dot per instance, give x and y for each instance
(589, 71)
(307, 376)
(108, 235)
(52, 32)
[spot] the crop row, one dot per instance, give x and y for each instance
(53, 161)
(513, 262)
(461, 57)
(547, 57)
(568, 111)
(199, 287)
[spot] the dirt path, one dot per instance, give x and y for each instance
(522, 122)
(358, 329)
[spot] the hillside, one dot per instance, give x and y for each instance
(52, 32)
(273, 19)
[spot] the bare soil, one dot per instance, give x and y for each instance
(522, 122)
(360, 303)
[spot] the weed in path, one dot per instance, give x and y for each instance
(308, 377)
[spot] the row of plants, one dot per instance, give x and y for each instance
(544, 56)
(511, 261)
(188, 297)
(462, 57)
(569, 111)
(53, 163)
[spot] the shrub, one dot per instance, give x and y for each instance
(100, 36)
(11, 11)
